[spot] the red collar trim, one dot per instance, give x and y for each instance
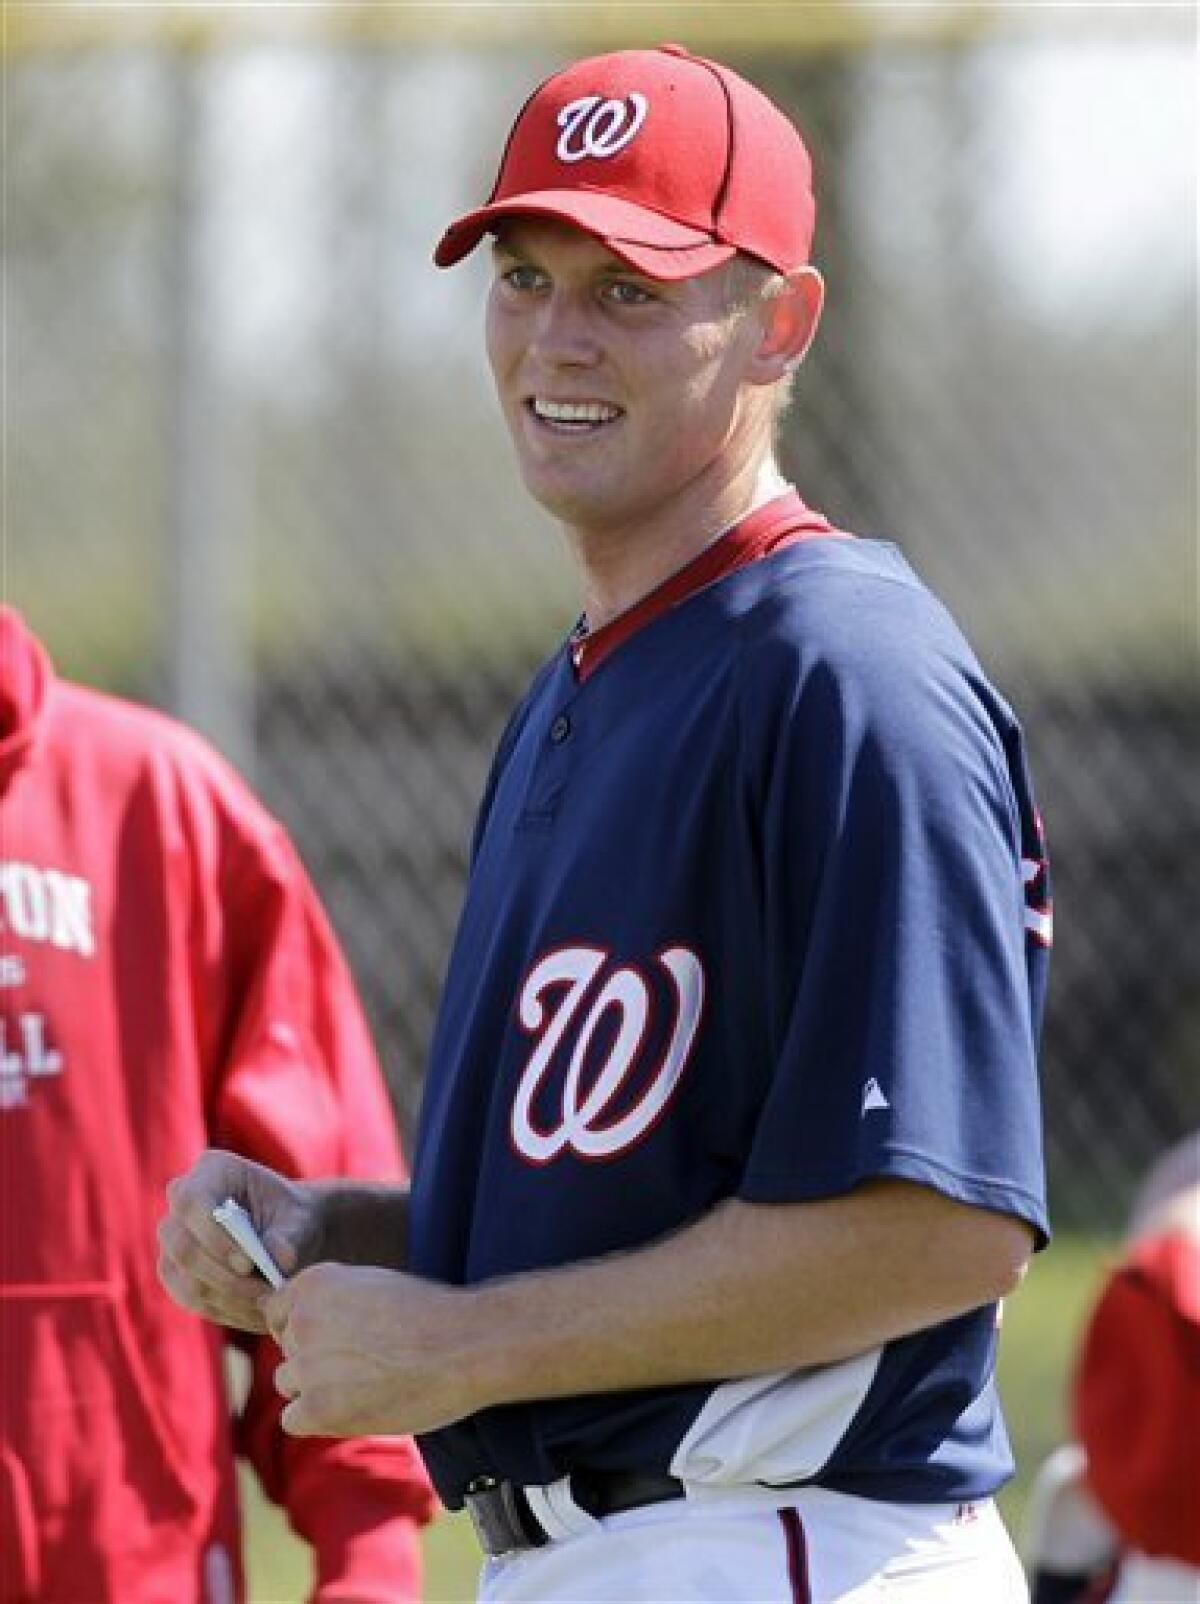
(778, 523)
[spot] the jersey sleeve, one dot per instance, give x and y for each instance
(293, 1081)
(896, 833)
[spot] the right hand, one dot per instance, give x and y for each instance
(202, 1268)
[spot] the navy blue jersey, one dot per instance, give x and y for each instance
(756, 910)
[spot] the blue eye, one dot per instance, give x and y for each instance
(523, 277)
(626, 293)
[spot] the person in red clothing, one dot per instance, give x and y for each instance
(168, 982)
(1116, 1512)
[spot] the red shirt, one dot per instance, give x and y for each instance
(168, 981)
(1136, 1397)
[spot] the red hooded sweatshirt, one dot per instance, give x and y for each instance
(168, 982)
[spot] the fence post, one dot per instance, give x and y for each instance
(208, 660)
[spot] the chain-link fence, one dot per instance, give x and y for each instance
(253, 471)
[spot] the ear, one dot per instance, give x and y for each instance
(789, 322)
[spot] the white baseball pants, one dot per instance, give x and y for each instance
(823, 1548)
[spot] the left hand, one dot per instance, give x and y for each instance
(201, 1268)
(369, 1352)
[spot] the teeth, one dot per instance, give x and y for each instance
(575, 411)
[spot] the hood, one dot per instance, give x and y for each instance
(26, 675)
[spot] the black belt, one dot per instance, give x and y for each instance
(504, 1520)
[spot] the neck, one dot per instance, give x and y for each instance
(620, 566)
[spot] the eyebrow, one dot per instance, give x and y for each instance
(613, 267)
(507, 237)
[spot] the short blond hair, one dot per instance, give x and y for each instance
(748, 283)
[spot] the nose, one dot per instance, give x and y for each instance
(564, 333)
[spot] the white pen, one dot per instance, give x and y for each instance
(232, 1217)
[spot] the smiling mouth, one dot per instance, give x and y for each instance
(573, 417)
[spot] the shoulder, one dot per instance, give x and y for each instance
(848, 622)
(852, 606)
(119, 750)
(129, 730)
(848, 661)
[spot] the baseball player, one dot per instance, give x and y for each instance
(1113, 1516)
(730, 1142)
(167, 980)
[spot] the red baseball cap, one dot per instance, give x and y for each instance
(672, 161)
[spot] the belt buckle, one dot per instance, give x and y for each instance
(496, 1515)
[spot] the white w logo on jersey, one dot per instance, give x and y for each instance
(622, 1077)
(596, 127)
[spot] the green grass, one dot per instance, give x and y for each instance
(1041, 1325)
(281, 1573)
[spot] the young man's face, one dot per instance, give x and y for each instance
(620, 392)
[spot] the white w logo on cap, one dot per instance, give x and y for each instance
(593, 126)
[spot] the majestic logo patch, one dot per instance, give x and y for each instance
(610, 1089)
(593, 126)
(873, 1096)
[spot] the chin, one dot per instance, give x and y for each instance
(571, 504)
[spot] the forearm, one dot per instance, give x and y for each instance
(363, 1222)
(746, 1290)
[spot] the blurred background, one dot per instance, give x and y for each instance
(253, 472)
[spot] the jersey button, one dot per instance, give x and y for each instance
(560, 729)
